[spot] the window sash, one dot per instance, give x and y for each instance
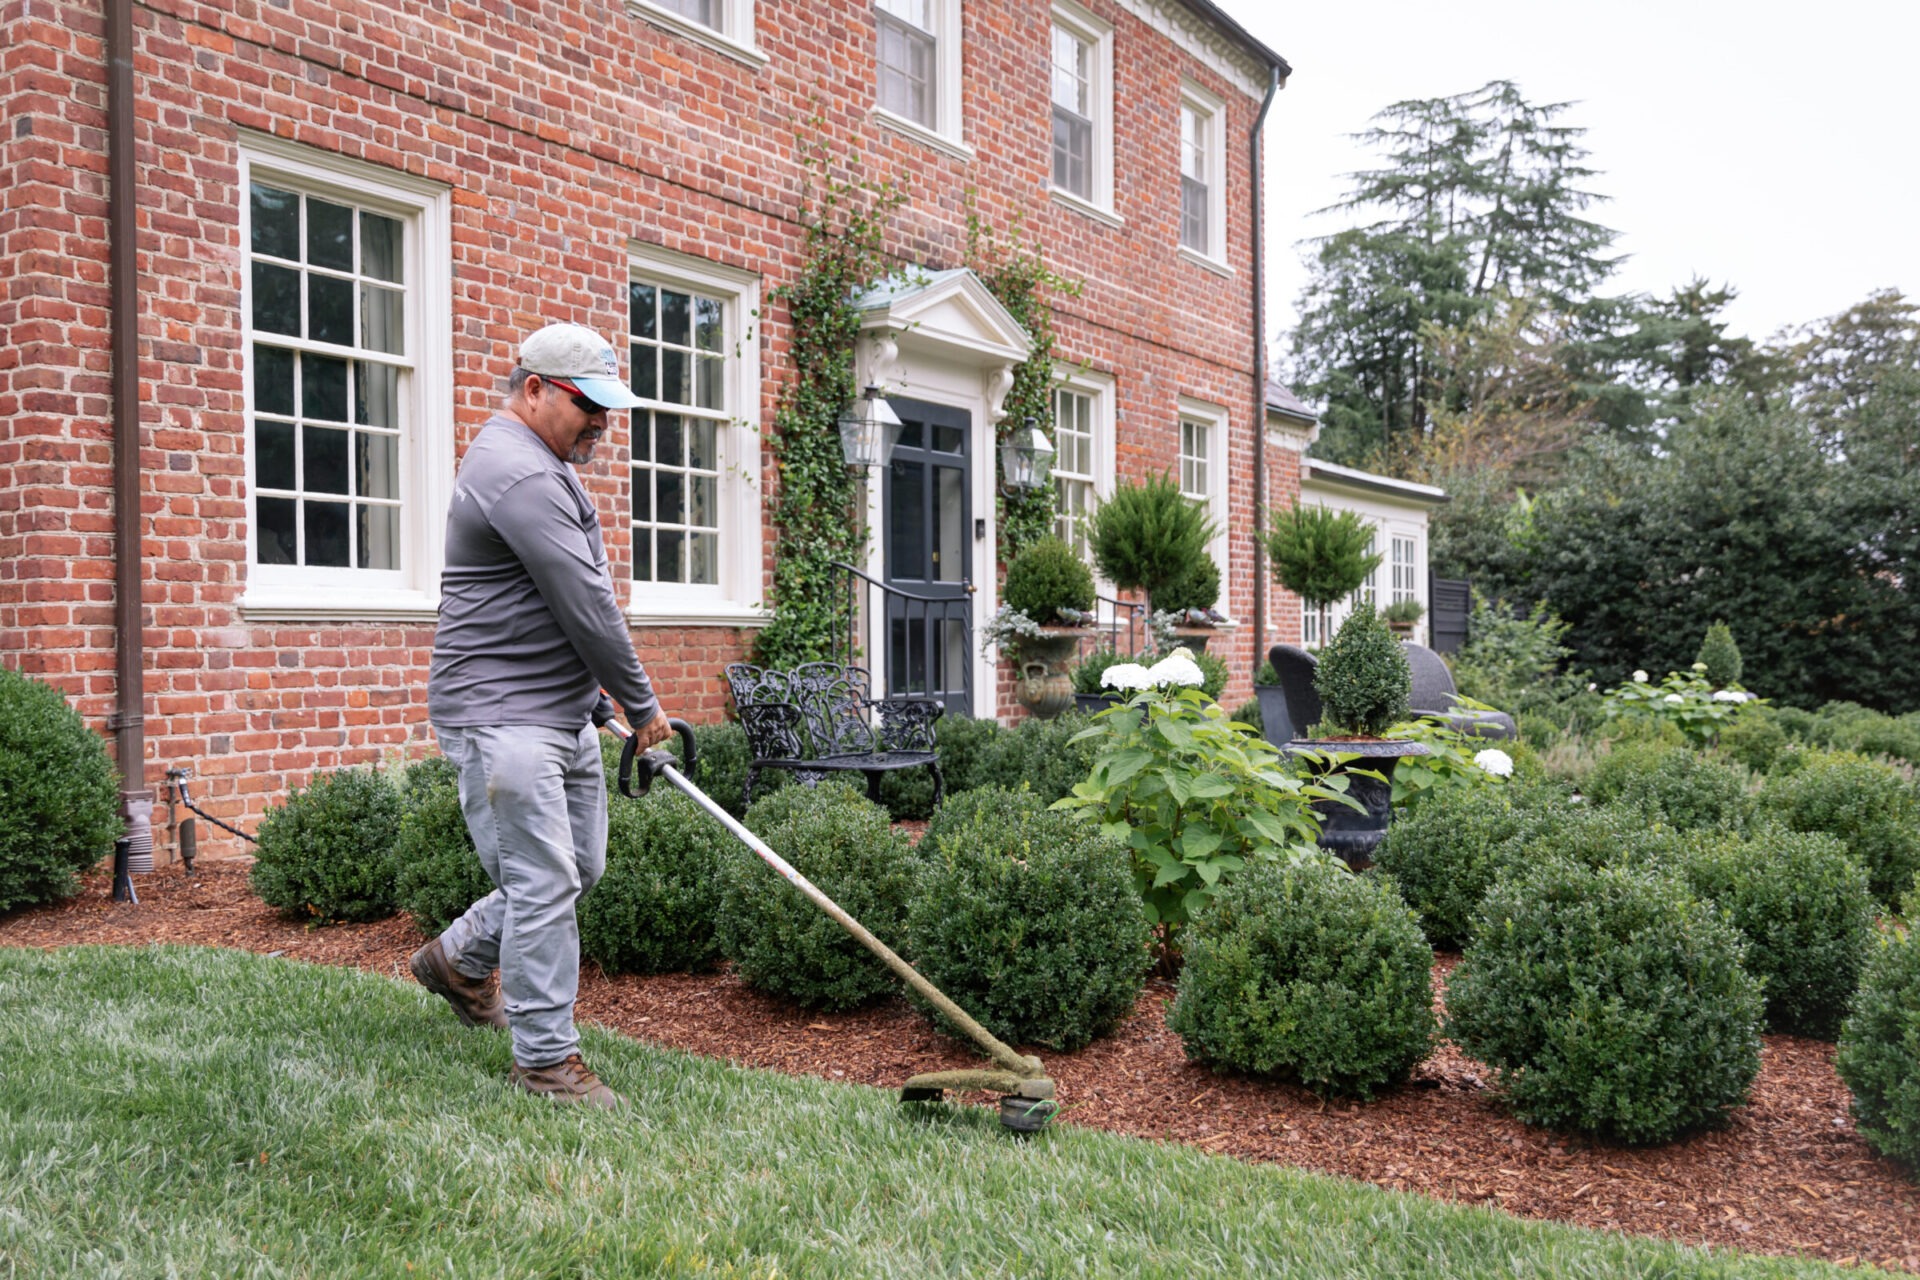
(684, 364)
(1195, 475)
(705, 12)
(1404, 585)
(1195, 221)
(906, 61)
(1073, 467)
(330, 380)
(1072, 153)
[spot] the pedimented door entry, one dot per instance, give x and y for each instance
(927, 551)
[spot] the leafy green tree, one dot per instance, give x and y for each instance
(1482, 197)
(1743, 518)
(1147, 536)
(1321, 555)
(1720, 655)
(1644, 362)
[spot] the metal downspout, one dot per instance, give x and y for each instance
(1274, 85)
(128, 720)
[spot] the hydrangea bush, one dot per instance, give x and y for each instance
(1683, 699)
(1194, 794)
(1453, 760)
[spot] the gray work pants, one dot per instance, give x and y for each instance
(535, 801)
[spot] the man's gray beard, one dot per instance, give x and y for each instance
(582, 452)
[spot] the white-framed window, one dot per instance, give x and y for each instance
(1406, 585)
(1084, 453)
(1368, 591)
(346, 328)
(1203, 161)
(917, 69)
(1202, 471)
(1082, 95)
(694, 447)
(725, 25)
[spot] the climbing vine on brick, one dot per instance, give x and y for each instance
(1016, 274)
(814, 490)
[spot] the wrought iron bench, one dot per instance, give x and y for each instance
(819, 719)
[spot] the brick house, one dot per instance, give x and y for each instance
(288, 248)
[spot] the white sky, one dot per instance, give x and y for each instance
(1772, 146)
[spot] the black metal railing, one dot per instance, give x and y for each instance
(926, 639)
(1120, 625)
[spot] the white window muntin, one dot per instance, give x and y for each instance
(1405, 569)
(1202, 473)
(392, 362)
(693, 517)
(1084, 447)
(1082, 98)
(917, 70)
(1203, 166)
(724, 25)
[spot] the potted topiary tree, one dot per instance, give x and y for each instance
(1151, 537)
(1185, 604)
(1321, 555)
(1049, 585)
(1363, 680)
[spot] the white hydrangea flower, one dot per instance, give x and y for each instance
(1730, 695)
(1126, 676)
(1494, 761)
(1592, 687)
(1639, 677)
(1673, 697)
(1176, 668)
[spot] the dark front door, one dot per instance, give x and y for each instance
(928, 544)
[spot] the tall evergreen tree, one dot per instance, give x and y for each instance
(1481, 199)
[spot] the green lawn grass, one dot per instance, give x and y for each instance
(190, 1112)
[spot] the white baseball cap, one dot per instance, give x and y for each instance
(583, 358)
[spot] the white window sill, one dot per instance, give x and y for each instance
(284, 604)
(920, 133)
(654, 614)
(1205, 263)
(718, 41)
(1098, 213)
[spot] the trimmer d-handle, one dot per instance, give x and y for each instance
(634, 785)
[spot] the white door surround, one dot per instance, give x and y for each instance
(942, 337)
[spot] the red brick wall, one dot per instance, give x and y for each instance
(564, 131)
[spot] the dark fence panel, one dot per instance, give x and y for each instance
(1449, 601)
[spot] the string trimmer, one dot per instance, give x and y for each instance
(1026, 1102)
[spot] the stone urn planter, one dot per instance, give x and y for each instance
(1194, 639)
(1041, 682)
(1353, 834)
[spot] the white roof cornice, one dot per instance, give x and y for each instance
(1194, 35)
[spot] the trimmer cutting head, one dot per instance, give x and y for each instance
(1026, 1104)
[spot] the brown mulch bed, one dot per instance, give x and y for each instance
(1789, 1175)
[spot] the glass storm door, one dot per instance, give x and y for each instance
(927, 549)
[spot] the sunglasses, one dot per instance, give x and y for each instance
(580, 401)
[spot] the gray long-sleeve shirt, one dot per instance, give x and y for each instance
(530, 632)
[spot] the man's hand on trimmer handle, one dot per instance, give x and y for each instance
(654, 732)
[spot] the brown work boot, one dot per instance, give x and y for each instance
(478, 1003)
(567, 1080)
